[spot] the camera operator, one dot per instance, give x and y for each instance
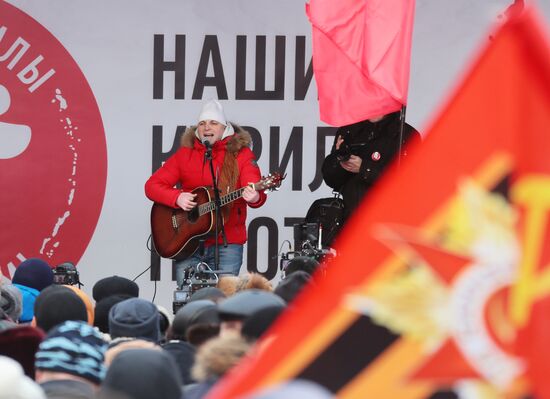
(360, 154)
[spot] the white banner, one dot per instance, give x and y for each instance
(94, 94)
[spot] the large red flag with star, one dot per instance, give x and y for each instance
(442, 281)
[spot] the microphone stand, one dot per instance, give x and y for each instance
(401, 131)
(217, 206)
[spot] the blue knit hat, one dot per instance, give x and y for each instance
(136, 318)
(33, 273)
(74, 348)
(29, 296)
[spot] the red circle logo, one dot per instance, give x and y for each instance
(53, 157)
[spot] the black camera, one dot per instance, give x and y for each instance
(66, 274)
(181, 297)
(347, 150)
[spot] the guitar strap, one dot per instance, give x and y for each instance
(227, 180)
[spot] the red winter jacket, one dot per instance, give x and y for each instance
(188, 167)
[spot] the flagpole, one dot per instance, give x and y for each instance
(401, 130)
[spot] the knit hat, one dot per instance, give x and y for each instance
(16, 385)
(114, 285)
(87, 302)
(135, 318)
(245, 303)
(29, 297)
(20, 342)
(213, 110)
(193, 313)
(260, 321)
(74, 348)
(33, 273)
(11, 301)
(57, 304)
(102, 308)
(142, 374)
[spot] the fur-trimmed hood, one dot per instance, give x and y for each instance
(230, 285)
(217, 356)
(234, 143)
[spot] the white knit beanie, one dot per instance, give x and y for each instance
(213, 110)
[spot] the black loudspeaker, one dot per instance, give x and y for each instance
(329, 213)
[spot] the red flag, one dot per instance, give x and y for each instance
(361, 57)
(442, 281)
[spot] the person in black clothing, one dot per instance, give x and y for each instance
(360, 154)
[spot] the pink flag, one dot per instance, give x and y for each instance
(361, 57)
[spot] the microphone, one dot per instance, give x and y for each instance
(207, 144)
(208, 152)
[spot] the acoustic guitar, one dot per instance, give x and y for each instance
(176, 233)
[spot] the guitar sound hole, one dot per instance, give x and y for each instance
(193, 215)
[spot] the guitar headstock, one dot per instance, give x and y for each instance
(270, 182)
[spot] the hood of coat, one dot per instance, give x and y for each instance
(233, 143)
(217, 356)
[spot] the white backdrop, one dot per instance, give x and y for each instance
(113, 44)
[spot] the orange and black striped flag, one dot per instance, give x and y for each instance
(441, 286)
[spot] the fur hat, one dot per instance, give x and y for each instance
(230, 285)
(217, 356)
(134, 317)
(244, 304)
(11, 301)
(102, 308)
(213, 110)
(16, 385)
(75, 348)
(57, 304)
(33, 273)
(114, 285)
(142, 374)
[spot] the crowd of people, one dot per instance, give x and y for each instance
(57, 342)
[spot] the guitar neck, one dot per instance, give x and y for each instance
(226, 199)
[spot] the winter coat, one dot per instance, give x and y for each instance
(236, 166)
(376, 143)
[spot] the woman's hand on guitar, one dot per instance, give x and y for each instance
(186, 201)
(250, 195)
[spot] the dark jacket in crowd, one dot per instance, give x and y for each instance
(68, 389)
(376, 143)
(183, 354)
